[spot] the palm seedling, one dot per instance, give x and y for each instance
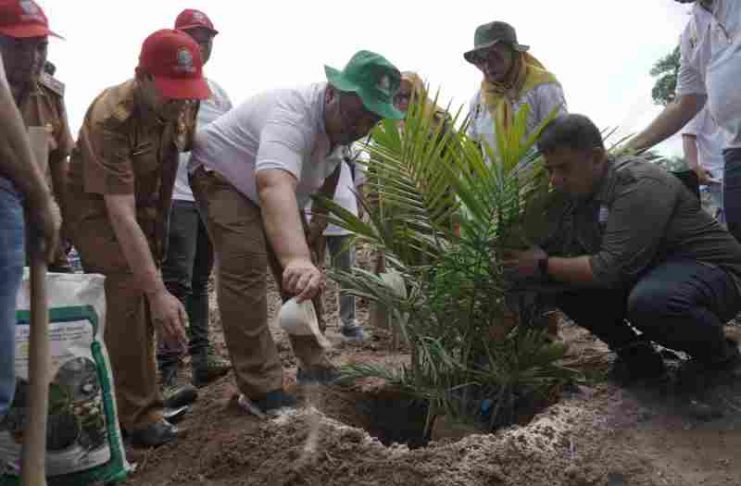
(441, 216)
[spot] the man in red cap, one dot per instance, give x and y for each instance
(22, 190)
(119, 190)
(189, 258)
(24, 33)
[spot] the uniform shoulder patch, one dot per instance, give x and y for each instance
(52, 83)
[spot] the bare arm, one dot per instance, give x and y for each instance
(122, 214)
(676, 115)
(167, 312)
(576, 270)
(689, 144)
(58, 171)
(571, 270)
(277, 191)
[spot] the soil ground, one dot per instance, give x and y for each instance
(597, 435)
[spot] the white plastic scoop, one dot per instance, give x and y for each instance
(299, 319)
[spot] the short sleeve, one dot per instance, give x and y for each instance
(549, 97)
(107, 165)
(283, 144)
(690, 79)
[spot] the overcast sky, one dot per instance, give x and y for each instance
(600, 50)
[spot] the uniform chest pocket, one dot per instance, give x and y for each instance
(144, 158)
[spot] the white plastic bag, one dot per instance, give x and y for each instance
(83, 436)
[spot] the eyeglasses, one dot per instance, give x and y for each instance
(402, 97)
(354, 115)
(495, 54)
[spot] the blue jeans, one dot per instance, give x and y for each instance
(680, 304)
(12, 257)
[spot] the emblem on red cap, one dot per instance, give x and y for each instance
(31, 11)
(185, 61)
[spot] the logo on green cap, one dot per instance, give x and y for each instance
(384, 85)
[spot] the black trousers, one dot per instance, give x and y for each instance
(681, 305)
(185, 271)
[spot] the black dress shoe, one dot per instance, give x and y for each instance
(180, 395)
(637, 362)
(154, 435)
(268, 406)
(175, 415)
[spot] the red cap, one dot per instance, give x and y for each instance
(174, 60)
(191, 18)
(22, 19)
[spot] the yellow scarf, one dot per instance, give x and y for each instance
(526, 73)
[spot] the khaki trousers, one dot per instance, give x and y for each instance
(129, 330)
(129, 337)
(242, 257)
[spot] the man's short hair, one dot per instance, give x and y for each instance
(571, 131)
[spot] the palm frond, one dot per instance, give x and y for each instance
(440, 210)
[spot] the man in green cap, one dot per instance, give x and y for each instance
(512, 77)
(253, 170)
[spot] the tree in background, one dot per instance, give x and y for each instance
(666, 70)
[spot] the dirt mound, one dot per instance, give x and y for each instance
(597, 436)
(570, 444)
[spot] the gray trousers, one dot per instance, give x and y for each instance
(343, 258)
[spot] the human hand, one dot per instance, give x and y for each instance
(44, 221)
(524, 264)
(704, 176)
(303, 279)
(169, 318)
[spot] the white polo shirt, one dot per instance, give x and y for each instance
(280, 129)
(208, 111)
(542, 100)
(346, 193)
(709, 140)
(711, 64)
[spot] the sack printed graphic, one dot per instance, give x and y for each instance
(83, 439)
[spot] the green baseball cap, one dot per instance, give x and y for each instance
(488, 35)
(373, 79)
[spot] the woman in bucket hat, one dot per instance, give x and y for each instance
(512, 78)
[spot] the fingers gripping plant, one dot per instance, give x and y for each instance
(441, 216)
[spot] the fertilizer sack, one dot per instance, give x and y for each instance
(83, 439)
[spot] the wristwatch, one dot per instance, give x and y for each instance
(543, 267)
